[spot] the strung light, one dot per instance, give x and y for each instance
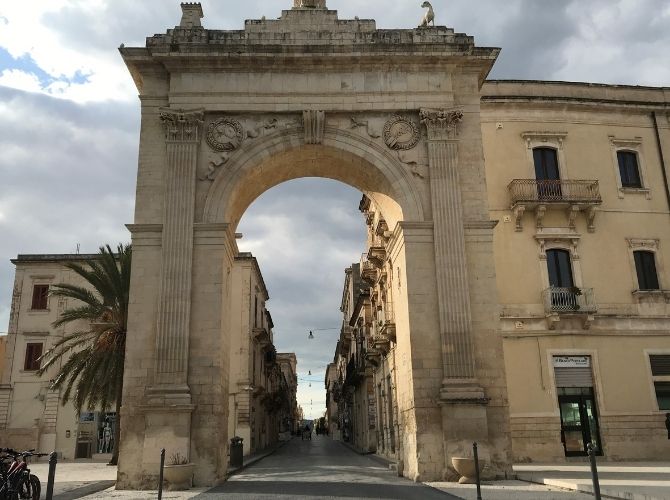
(311, 335)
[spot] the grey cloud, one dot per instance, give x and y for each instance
(68, 176)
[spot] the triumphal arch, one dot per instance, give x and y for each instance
(227, 115)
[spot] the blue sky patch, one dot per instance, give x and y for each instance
(27, 64)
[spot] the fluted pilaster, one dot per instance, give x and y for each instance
(182, 130)
(450, 258)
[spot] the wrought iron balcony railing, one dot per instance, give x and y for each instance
(554, 191)
(570, 300)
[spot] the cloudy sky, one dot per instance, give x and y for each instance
(69, 131)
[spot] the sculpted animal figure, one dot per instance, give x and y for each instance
(429, 16)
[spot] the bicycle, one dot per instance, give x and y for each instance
(16, 481)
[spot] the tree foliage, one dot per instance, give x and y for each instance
(92, 357)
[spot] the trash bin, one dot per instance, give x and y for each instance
(236, 452)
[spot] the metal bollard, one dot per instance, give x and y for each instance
(594, 470)
(479, 483)
(53, 460)
(160, 475)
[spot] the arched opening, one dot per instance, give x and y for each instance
(281, 157)
(304, 233)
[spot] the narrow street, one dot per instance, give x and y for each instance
(320, 468)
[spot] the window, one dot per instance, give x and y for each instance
(660, 367)
(662, 395)
(629, 169)
(33, 353)
(645, 266)
(40, 297)
(559, 269)
(546, 164)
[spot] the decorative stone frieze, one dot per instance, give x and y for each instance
(315, 126)
(401, 133)
(441, 124)
(357, 123)
(225, 135)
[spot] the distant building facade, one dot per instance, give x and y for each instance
(32, 416)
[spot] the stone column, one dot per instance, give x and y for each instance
(459, 382)
(182, 130)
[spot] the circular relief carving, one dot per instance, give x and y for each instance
(225, 134)
(401, 133)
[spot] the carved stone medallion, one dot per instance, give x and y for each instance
(225, 135)
(400, 133)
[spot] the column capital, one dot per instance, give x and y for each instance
(182, 125)
(441, 124)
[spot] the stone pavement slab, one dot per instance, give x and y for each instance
(320, 468)
(631, 481)
(510, 490)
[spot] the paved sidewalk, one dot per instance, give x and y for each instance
(510, 490)
(631, 481)
(75, 479)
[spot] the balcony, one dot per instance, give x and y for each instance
(574, 196)
(369, 272)
(377, 256)
(381, 343)
(569, 301)
(262, 336)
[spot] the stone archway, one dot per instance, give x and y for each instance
(212, 141)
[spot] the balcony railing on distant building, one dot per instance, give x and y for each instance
(570, 300)
(554, 191)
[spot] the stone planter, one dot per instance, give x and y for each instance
(179, 477)
(466, 468)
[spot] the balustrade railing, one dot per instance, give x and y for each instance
(554, 191)
(570, 300)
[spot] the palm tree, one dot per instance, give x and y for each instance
(92, 358)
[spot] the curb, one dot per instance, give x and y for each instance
(85, 490)
(566, 484)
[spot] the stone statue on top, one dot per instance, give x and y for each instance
(309, 4)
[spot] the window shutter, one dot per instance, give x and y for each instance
(574, 377)
(660, 364)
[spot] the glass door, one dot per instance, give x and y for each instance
(579, 421)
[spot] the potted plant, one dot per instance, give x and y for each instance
(178, 472)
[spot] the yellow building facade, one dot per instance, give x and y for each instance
(593, 363)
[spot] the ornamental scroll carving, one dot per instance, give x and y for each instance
(441, 124)
(401, 133)
(181, 125)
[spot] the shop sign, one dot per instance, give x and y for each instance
(572, 361)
